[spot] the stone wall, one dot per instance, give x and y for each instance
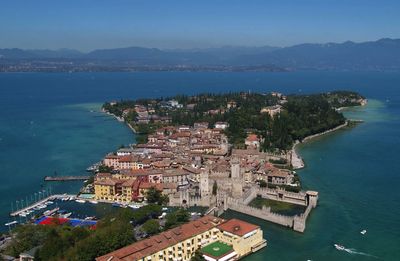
(298, 222)
(264, 213)
(282, 195)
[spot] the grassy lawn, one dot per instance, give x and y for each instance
(217, 249)
(278, 207)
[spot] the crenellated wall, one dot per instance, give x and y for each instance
(264, 213)
(298, 222)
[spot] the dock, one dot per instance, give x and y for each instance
(65, 178)
(40, 202)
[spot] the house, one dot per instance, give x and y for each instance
(252, 141)
(221, 125)
(200, 125)
(277, 176)
(272, 110)
(231, 104)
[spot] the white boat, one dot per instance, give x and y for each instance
(134, 206)
(42, 206)
(94, 201)
(164, 209)
(11, 223)
(66, 215)
(49, 202)
(80, 201)
(90, 218)
(50, 212)
(363, 232)
(339, 247)
(23, 214)
(72, 198)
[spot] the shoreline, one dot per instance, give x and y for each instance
(130, 127)
(296, 160)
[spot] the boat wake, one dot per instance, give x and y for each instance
(354, 251)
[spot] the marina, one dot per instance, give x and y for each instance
(38, 204)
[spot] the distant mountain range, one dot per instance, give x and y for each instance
(383, 54)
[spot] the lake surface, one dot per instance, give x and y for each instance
(52, 122)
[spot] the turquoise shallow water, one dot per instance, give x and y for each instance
(46, 124)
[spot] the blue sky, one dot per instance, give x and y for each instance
(93, 24)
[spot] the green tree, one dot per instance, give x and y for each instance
(263, 184)
(151, 227)
(104, 169)
(154, 195)
(176, 218)
(197, 256)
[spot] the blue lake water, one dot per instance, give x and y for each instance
(51, 122)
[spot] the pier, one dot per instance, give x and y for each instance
(40, 202)
(65, 178)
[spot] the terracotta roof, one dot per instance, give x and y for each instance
(162, 241)
(237, 227)
(103, 175)
(170, 185)
(147, 185)
(129, 183)
(252, 137)
(105, 182)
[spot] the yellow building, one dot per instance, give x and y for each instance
(239, 238)
(123, 190)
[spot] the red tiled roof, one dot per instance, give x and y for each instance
(237, 227)
(162, 241)
(147, 185)
(252, 137)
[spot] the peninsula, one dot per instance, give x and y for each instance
(220, 151)
(217, 151)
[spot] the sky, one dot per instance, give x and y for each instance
(96, 24)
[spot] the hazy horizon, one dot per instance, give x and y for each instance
(199, 48)
(105, 24)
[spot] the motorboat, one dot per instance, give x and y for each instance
(50, 212)
(339, 247)
(363, 232)
(11, 223)
(164, 209)
(94, 201)
(80, 201)
(66, 215)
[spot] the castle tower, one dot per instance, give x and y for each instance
(312, 198)
(235, 168)
(184, 197)
(236, 179)
(204, 183)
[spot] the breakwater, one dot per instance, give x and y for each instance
(65, 178)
